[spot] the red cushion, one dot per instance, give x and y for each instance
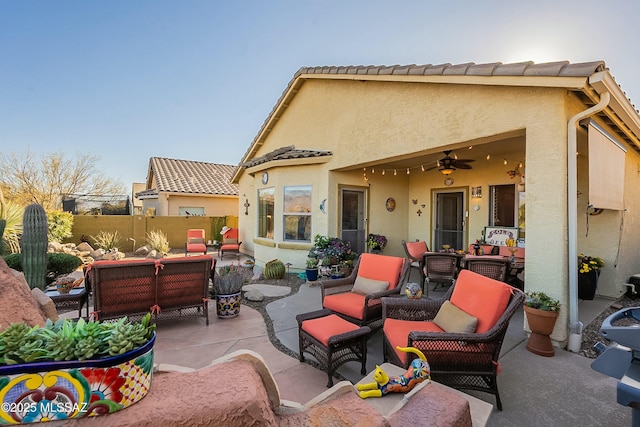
(397, 332)
(230, 247)
(417, 249)
(324, 328)
(348, 303)
(481, 297)
(232, 233)
(381, 267)
(519, 252)
(196, 247)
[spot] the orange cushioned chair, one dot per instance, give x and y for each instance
(415, 251)
(230, 243)
(461, 334)
(357, 298)
(195, 241)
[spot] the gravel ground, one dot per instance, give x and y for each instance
(591, 333)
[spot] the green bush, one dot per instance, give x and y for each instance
(57, 263)
(14, 261)
(60, 224)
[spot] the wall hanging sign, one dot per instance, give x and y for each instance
(497, 236)
(391, 204)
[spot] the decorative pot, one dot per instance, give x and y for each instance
(587, 284)
(49, 391)
(376, 250)
(228, 306)
(541, 323)
(312, 274)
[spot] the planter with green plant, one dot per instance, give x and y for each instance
(542, 312)
(70, 369)
(312, 269)
(228, 285)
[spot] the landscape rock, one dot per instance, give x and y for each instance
(142, 251)
(46, 304)
(97, 254)
(84, 246)
(153, 254)
(113, 256)
(254, 295)
(16, 302)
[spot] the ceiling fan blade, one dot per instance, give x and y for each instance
(465, 160)
(431, 168)
(462, 166)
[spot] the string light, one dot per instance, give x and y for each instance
(407, 171)
(505, 161)
(422, 167)
(395, 172)
(382, 171)
(488, 156)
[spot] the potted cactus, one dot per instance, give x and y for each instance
(71, 369)
(227, 287)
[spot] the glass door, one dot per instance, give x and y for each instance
(449, 220)
(352, 218)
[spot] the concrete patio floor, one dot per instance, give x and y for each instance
(551, 391)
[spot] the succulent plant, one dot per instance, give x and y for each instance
(69, 340)
(274, 269)
(230, 279)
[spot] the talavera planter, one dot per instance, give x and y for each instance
(228, 306)
(51, 391)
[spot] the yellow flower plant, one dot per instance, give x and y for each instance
(589, 263)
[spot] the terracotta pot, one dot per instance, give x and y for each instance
(541, 323)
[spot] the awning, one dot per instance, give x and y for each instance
(606, 169)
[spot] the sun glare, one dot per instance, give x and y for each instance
(535, 54)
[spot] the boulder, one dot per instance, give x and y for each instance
(84, 246)
(16, 302)
(46, 304)
(142, 251)
(97, 254)
(113, 256)
(254, 295)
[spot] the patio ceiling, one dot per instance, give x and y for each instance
(511, 147)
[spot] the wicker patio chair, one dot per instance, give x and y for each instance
(439, 267)
(414, 252)
(462, 360)
(493, 268)
(357, 298)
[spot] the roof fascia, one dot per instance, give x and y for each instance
(288, 162)
(603, 82)
(535, 81)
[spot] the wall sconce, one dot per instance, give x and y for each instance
(476, 192)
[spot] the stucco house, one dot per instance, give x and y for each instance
(354, 150)
(185, 187)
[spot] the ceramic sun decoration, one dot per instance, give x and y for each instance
(418, 371)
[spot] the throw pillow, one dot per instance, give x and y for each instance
(366, 286)
(193, 240)
(453, 320)
(230, 241)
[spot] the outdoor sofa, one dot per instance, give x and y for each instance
(169, 287)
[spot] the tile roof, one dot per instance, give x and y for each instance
(547, 69)
(285, 153)
(192, 177)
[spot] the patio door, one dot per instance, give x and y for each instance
(449, 223)
(352, 218)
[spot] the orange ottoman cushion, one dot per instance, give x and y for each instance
(326, 327)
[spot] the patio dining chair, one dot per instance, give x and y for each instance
(414, 252)
(493, 268)
(195, 241)
(440, 268)
(230, 243)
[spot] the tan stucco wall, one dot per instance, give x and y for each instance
(363, 123)
(169, 204)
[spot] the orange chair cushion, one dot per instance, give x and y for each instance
(481, 297)
(196, 247)
(230, 247)
(504, 251)
(381, 267)
(326, 327)
(417, 249)
(397, 332)
(348, 303)
(232, 233)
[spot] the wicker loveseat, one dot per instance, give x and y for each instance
(169, 287)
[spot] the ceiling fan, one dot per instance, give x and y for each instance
(448, 164)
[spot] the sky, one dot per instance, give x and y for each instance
(126, 80)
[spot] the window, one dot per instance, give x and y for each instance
(265, 213)
(297, 213)
(502, 205)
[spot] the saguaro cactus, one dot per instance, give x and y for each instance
(33, 246)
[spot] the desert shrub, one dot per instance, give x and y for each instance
(57, 263)
(157, 240)
(107, 240)
(60, 224)
(13, 228)
(14, 261)
(60, 263)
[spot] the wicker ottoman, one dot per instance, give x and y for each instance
(332, 340)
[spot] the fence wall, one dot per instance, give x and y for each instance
(133, 229)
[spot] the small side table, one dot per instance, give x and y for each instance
(75, 299)
(213, 246)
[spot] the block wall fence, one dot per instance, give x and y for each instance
(133, 229)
